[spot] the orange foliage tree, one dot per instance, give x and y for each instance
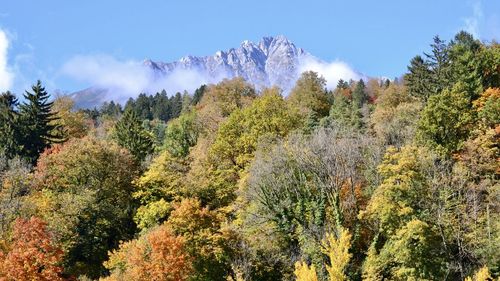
(157, 255)
(33, 254)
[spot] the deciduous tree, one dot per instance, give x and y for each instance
(34, 255)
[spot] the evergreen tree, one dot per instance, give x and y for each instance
(342, 84)
(387, 83)
(465, 63)
(37, 121)
(143, 107)
(9, 129)
(439, 64)
(198, 94)
(111, 109)
(131, 135)
(343, 112)
(130, 105)
(176, 105)
(186, 101)
(419, 78)
(161, 106)
(359, 95)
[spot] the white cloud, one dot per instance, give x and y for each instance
(125, 79)
(6, 75)
(129, 78)
(331, 71)
(471, 24)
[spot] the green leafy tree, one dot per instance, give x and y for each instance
(83, 189)
(131, 135)
(163, 183)
(309, 94)
(181, 134)
(237, 138)
(406, 246)
(490, 63)
(446, 120)
(268, 117)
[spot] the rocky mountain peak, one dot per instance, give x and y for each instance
(273, 61)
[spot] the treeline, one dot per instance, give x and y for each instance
(151, 107)
(372, 180)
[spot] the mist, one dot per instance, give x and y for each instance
(127, 78)
(331, 71)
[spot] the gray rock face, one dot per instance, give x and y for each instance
(273, 61)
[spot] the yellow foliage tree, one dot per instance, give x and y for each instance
(337, 250)
(483, 274)
(303, 272)
(73, 124)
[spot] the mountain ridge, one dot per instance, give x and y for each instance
(273, 61)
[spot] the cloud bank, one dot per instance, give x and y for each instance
(331, 71)
(6, 75)
(125, 79)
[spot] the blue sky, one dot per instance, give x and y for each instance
(376, 38)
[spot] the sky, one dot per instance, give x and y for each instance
(50, 39)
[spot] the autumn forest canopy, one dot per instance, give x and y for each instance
(372, 180)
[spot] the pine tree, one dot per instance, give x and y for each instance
(37, 123)
(176, 105)
(143, 107)
(359, 96)
(111, 109)
(161, 107)
(9, 129)
(198, 94)
(131, 135)
(439, 64)
(419, 78)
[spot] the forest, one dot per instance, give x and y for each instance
(376, 179)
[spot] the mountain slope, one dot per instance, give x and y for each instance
(274, 61)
